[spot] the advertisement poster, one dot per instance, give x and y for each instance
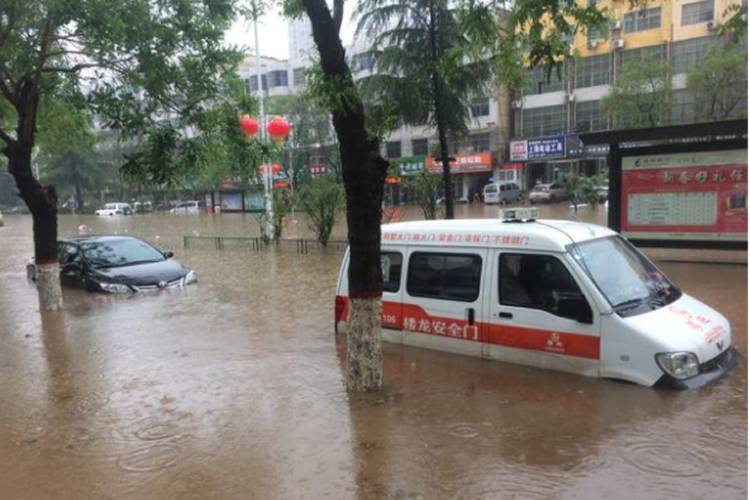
(518, 151)
(689, 196)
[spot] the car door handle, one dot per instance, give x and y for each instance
(505, 315)
(471, 315)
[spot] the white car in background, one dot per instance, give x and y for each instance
(502, 192)
(547, 192)
(111, 209)
(186, 207)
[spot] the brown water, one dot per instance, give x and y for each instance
(233, 388)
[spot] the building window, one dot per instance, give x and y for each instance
(698, 12)
(299, 76)
(589, 117)
(362, 62)
(419, 147)
(390, 263)
(683, 107)
(253, 80)
(539, 83)
(278, 78)
(538, 122)
(480, 107)
(643, 20)
(444, 276)
(592, 71)
(480, 142)
(688, 53)
(393, 149)
(638, 56)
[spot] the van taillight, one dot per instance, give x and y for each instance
(340, 308)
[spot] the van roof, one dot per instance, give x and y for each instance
(542, 234)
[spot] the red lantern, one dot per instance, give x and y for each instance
(278, 129)
(275, 168)
(248, 126)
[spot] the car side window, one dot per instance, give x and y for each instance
(537, 282)
(444, 276)
(68, 254)
(391, 263)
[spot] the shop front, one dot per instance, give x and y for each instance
(469, 173)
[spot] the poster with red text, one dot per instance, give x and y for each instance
(688, 196)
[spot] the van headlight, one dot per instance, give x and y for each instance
(680, 365)
(115, 288)
(190, 277)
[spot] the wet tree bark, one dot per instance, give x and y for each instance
(363, 171)
(41, 200)
(437, 89)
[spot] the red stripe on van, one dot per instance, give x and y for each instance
(411, 317)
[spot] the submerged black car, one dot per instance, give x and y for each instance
(117, 264)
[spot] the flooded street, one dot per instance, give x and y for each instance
(234, 388)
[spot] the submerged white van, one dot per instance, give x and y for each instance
(553, 294)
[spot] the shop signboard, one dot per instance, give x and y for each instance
(546, 147)
(317, 170)
(463, 164)
(519, 150)
(699, 196)
(410, 165)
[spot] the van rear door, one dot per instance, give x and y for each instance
(442, 300)
(540, 315)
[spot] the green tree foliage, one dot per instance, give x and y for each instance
(145, 64)
(719, 83)
(322, 200)
(736, 25)
(641, 96)
(431, 59)
(426, 187)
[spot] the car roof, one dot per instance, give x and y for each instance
(102, 238)
(543, 234)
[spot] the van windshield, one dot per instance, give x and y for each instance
(492, 188)
(629, 281)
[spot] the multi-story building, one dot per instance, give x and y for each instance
(553, 110)
(532, 136)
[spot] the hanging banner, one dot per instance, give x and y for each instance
(690, 196)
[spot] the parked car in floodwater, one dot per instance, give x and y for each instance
(547, 192)
(116, 264)
(187, 207)
(111, 209)
(502, 192)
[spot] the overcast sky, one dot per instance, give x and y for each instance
(272, 33)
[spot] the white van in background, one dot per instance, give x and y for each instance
(553, 294)
(502, 192)
(186, 207)
(111, 209)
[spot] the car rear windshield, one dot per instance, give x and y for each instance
(119, 252)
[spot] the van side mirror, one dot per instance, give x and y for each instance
(575, 308)
(168, 254)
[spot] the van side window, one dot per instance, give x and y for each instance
(536, 281)
(390, 263)
(444, 276)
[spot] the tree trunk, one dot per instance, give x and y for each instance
(42, 203)
(78, 188)
(363, 171)
(437, 89)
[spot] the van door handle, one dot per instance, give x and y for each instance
(505, 315)
(471, 315)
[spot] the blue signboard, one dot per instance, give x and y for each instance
(546, 147)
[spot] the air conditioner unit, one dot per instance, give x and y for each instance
(572, 50)
(517, 104)
(712, 25)
(593, 43)
(617, 25)
(618, 44)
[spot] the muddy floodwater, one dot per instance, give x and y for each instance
(233, 388)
